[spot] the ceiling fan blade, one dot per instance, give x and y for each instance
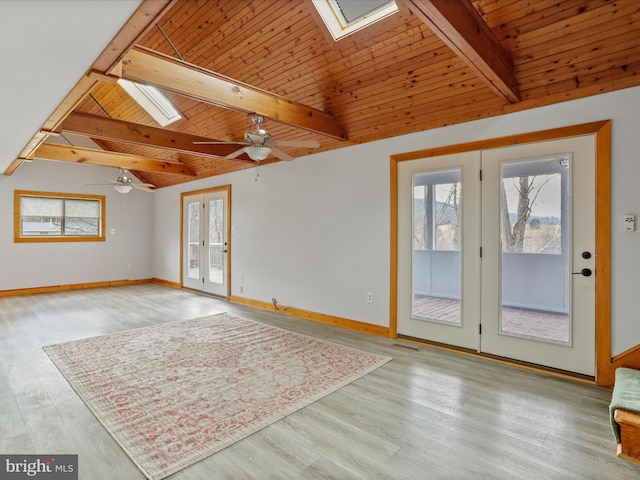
(143, 186)
(99, 184)
(296, 143)
(235, 154)
(109, 183)
(221, 143)
(281, 155)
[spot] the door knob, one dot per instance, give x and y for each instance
(585, 272)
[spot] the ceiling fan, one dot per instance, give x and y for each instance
(259, 143)
(124, 183)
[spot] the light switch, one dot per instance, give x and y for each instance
(629, 222)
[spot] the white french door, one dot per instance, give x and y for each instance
(205, 240)
(502, 262)
(439, 239)
(538, 302)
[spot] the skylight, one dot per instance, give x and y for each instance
(343, 17)
(153, 101)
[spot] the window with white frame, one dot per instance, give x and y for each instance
(46, 217)
(344, 17)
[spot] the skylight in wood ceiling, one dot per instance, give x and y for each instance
(343, 17)
(153, 101)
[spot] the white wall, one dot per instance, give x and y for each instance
(24, 265)
(314, 233)
(312, 244)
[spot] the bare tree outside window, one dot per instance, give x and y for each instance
(194, 238)
(447, 216)
(194, 221)
(216, 219)
(216, 238)
(437, 216)
(530, 214)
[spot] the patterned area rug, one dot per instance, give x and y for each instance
(176, 393)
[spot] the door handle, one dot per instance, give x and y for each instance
(585, 272)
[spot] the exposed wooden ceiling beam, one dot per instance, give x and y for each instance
(153, 68)
(460, 26)
(104, 128)
(66, 153)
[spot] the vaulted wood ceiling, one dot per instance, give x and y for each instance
(434, 63)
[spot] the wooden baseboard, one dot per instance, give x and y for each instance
(314, 316)
(73, 286)
(630, 358)
(166, 283)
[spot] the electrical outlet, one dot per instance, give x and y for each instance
(369, 297)
(629, 222)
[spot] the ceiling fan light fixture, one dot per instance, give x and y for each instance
(123, 188)
(257, 153)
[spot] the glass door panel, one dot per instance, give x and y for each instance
(217, 243)
(193, 239)
(535, 215)
(437, 225)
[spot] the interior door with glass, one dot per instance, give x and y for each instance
(438, 249)
(206, 248)
(538, 239)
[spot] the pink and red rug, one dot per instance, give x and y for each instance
(175, 393)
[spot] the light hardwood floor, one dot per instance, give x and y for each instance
(427, 414)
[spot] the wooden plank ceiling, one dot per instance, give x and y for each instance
(429, 65)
